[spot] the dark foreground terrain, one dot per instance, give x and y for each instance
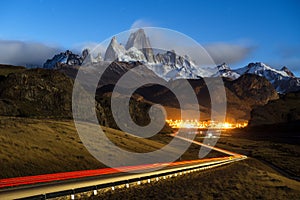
(270, 172)
(38, 146)
(248, 179)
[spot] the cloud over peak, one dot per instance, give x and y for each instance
(23, 53)
(228, 53)
(140, 23)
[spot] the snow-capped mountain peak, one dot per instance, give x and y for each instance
(66, 58)
(223, 66)
(135, 54)
(140, 41)
(225, 71)
(287, 71)
(283, 80)
(261, 69)
(114, 50)
(169, 65)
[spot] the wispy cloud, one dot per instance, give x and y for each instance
(25, 53)
(228, 53)
(288, 51)
(202, 54)
(33, 53)
(289, 56)
(140, 23)
(220, 52)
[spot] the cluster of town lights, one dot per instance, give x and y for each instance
(205, 124)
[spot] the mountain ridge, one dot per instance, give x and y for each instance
(171, 66)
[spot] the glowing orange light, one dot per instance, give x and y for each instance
(204, 124)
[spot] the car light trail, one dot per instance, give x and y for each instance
(44, 178)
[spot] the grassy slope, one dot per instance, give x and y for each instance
(248, 179)
(35, 146)
(39, 146)
(281, 155)
(7, 69)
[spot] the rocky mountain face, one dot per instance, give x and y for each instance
(283, 80)
(138, 48)
(36, 92)
(112, 74)
(47, 93)
(114, 50)
(246, 92)
(242, 95)
(225, 71)
(66, 59)
(137, 107)
(286, 109)
(168, 65)
(139, 40)
(246, 87)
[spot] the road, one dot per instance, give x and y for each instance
(22, 187)
(207, 146)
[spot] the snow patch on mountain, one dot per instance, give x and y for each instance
(262, 69)
(114, 50)
(169, 65)
(225, 71)
(65, 59)
(283, 80)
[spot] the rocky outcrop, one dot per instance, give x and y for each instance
(139, 40)
(66, 59)
(287, 71)
(283, 110)
(36, 92)
(114, 50)
(45, 93)
(247, 92)
(282, 80)
(253, 89)
(242, 95)
(225, 71)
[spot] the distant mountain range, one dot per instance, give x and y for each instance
(171, 66)
(283, 80)
(48, 93)
(252, 92)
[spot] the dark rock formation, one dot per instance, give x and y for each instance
(139, 40)
(36, 92)
(283, 110)
(46, 93)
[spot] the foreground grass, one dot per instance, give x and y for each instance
(7, 69)
(40, 146)
(248, 179)
(282, 155)
(35, 146)
(31, 146)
